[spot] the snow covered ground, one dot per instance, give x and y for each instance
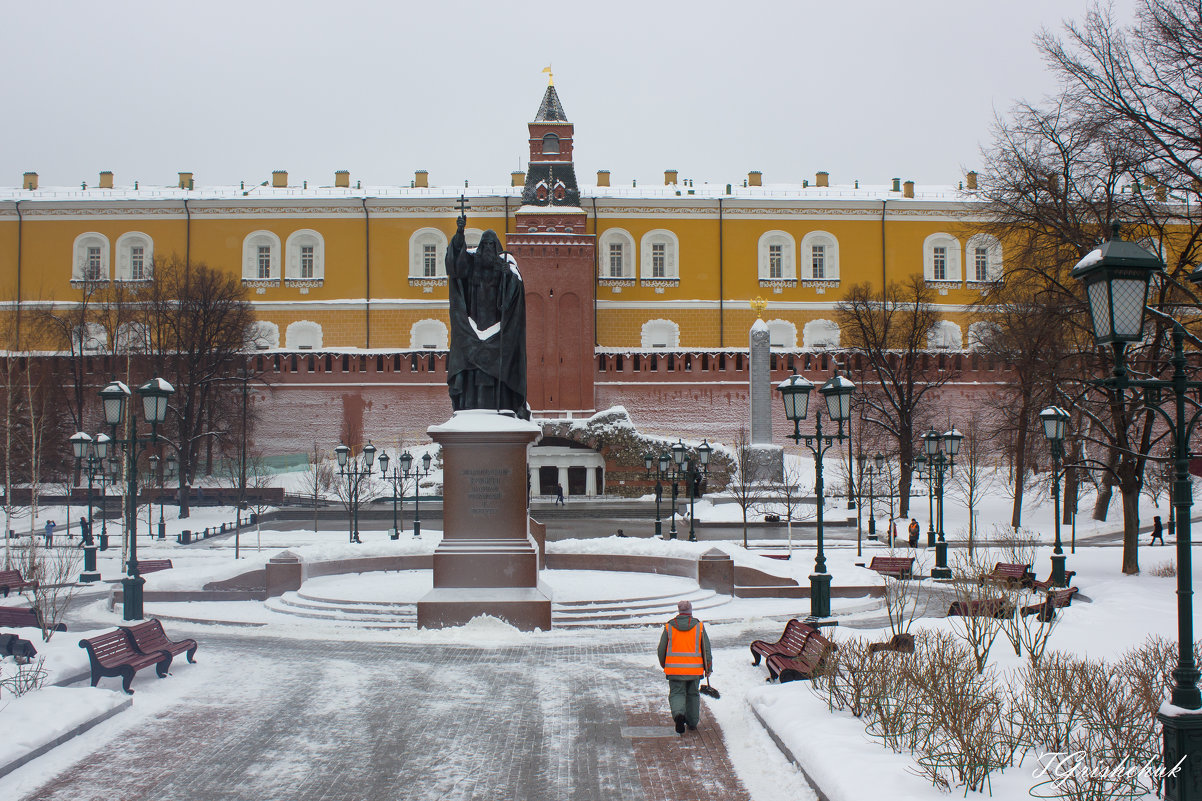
(833, 747)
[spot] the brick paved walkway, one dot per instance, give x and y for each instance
(333, 720)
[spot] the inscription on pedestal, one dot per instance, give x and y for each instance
(484, 489)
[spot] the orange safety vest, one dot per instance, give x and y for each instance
(685, 658)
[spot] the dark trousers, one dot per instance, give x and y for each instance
(684, 698)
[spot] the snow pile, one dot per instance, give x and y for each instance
(38, 718)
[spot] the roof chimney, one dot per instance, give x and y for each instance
(106, 180)
(29, 181)
(185, 180)
(342, 179)
(279, 179)
(897, 184)
(421, 179)
(909, 189)
(669, 177)
(517, 178)
(755, 178)
(602, 177)
(972, 179)
(822, 179)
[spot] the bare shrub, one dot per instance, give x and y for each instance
(850, 677)
(28, 676)
(1034, 631)
(1017, 546)
(56, 570)
(978, 631)
(902, 597)
(1165, 570)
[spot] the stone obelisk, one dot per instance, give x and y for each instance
(765, 459)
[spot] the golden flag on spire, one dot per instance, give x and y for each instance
(550, 77)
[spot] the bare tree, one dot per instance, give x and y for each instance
(742, 487)
(788, 500)
(974, 471)
(896, 375)
(318, 480)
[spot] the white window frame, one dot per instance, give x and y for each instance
(820, 334)
(417, 241)
(293, 266)
(954, 254)
(945, 335)
(978, 331)
(132, 338)
(429, 335)
(126, 244)
(993, 250)
(671, 253)
(788, 249)
(79, 257)
(782, 334)
(830, 256)
(263, 335)
(250, 256)
(303, 335)
(89, 338)
(617, 236)
(660, 335)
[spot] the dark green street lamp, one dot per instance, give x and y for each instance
(418, 475)
(1055, 420)
(356, 472)
(1116, 278)
(703, 456)
(661, 464)
(941, 451)
(795, 392)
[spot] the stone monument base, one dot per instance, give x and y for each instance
(487, 562)
(766, 463)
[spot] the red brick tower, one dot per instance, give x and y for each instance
(556, 257)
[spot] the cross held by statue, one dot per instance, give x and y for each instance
(462, 205)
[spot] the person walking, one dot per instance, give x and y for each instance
(559, 494)
(914, 531)
(85, 532)
(684, 654)
(1157, 531)
(49, 533)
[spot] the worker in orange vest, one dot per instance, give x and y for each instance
(684, 654)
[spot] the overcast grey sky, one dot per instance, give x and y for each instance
(232, 90)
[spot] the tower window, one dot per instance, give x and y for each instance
(939, 263)
(981, 264)
(615, 260)
(550, 144)
(659, 260)
(137, 263)
(776, 261)
(264, 261)
(92, 272)
(818, 261)
(429, 260)
(306, 261)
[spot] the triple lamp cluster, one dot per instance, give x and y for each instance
(672, 464)
(356, 469)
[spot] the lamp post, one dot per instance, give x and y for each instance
(661, 464)
(418, 475)
(1054, 421)
(678, 451)
(941, 450)
(157, 478)
(107, 476)
(356, 471)
(923, 472)
(1115, 278)
(795, 392)
(392, 479)
(93, 450)
(155, 393)
(703, 455)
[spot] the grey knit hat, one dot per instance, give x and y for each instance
(684, 607)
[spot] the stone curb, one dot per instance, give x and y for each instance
(62, 738)
(784, 749)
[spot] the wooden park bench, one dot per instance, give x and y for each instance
(1047, 584)
(23, 617)
(982, 607)
(790, 643)
(149, 638)
(901, 567)
(898, 643)
(805, 664)
(1010, 574)
(11, 581)
(113, 654)
(1046, 609)
(151, 565)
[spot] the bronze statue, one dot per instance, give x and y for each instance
(486, 368)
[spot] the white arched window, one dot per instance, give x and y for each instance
(303, 335)
(661, 334)
(941, 258)
(984, 253)
(782, 334)
(263, 335)
(819, 257)
(132, 338)
(428, 335)
(775, 255)
(980, 333)
(89, 338)
(820, 334)
(427, 249)
(660, 256)
(945, 335)
(305, 256)
(616, 254)
(135, 253)
(90, 258)
(261, 257)
(471, 238)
